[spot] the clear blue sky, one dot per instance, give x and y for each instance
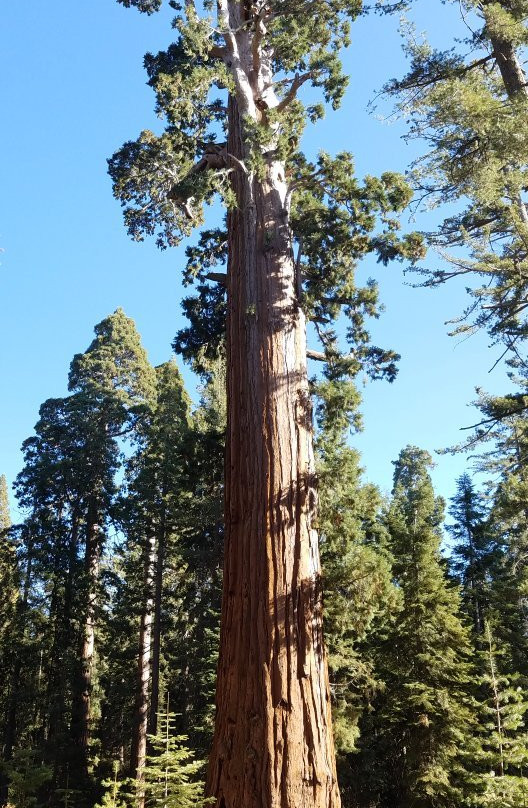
(73, 89)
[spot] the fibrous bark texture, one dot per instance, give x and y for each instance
(273, 745)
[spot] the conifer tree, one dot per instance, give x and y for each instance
(241, 74)
(27, 774)
(24, 653)
(157, 500)
(113, 796)
(5, 519)
(475, 556)
(8, 613)
(115, 385)
(469, 104)
(51, 486)
(504, 736)
(357, 585)
(67, 488)
(501, 438)
(8, 570)
(168, 573)
(170, 773)
(415, 740)
(192, 653)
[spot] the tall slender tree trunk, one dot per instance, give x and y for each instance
(61, 661)
(156, 629)
(273, 745)
(82, 706)
(510, 67)
(477, 606)
(139, 737)
(496, 702)
(10, 730)
(515, 84)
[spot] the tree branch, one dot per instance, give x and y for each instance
(217, 277)
(217, 52)
(295, 86)
(318, 356)
(409, 84)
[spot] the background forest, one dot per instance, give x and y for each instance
(111, 567)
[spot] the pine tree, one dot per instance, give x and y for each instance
(157, 499)
(504, 736)
(22, 660)
(8, 569)
(8, 613)
(415, 740)
(357, 585)
(469, 104)
(168, 573)
(113, 796)
(475, 556)
(170, 771)
(26, 774)
(192, 652)
(242, 73)
(5, 519)
(501, 438)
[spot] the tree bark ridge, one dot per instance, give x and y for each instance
(273, 745)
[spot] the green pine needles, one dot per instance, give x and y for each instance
(170, 775)
(468, 106)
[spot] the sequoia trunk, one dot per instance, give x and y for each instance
(273, 745)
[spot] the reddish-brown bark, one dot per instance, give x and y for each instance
(273, 745)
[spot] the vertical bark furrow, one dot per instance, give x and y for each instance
(273, 744)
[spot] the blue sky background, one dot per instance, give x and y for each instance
(72, 91)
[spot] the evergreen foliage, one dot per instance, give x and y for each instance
(170, 773)
(358, 590)
(8, 569)
(416, 740)
(469, 105)
(67, 488)
(163, 181)
(26, 775)
(357, 570)
(424, 710)
(475, 555)
(5, 519)
(501, 440)
(113, 796)
(504, 738)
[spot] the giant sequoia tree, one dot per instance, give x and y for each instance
(67, 487)
(237, 74)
